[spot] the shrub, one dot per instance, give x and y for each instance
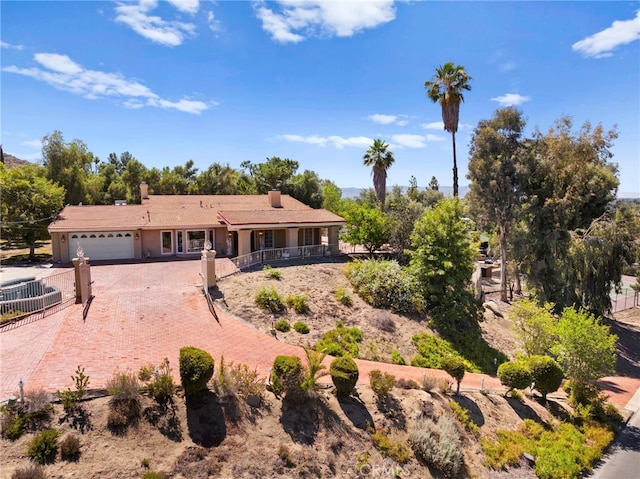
(43, 448)
(384, 284)
(301, 327)
(271, 272)
(384, 321)
(514, 375)
(394, 450)
(407, 384)
(152, 475)
(298, 302)
(123, 386)
(462, 415)
(433, 351)
(438, 444)
(381, 383)
(33, 471)
(269, 299)
(396, 358)
(285, 456)
(314, 369)
(454, 366)
(546, 373)
(344, 374)
(340, 341)
(287, 377)
(430, 382)
(123, 413)
(15, 421)
(238, 379)
(282, 325)
(70, 447)
(343, 297)
(196, 368)
(159, 382)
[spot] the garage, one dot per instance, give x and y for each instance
(102, 245)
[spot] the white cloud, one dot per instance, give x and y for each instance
(601, 44)
(187, 6)
(507, 67)
(37, 144)
(434, 125)
(8, 45)
(431, 137)
(402, 122)
(382, 119)
(511, 99)
(338, 142)
(154, 28)
(301, 19)
(409, 140)
(64, 74)
(214, 23)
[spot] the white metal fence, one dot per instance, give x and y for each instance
(279, 254)
(627, 299)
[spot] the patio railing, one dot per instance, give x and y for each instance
(279, 254)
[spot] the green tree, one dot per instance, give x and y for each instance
(546, 373)
(598, 256)
(365, 226)
(218, 180)
(585, 349)
(442, 256)
(402, 213)
(493, 170)
(535, 325)
(447, 88)
(567, 182)
(379, 159)
(274, 174)
(332, 197)
(306, 187)
(454, 366)
(29, 203)
(68, 164)
(132, 177)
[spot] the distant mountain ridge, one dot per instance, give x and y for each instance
(11, 161)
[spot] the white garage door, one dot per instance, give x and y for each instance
(102, 245)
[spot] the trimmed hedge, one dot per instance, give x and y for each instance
(546, 373)
(287, 376)
(196, 369)
(514, 375)
(344, 374)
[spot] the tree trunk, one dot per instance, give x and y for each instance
(32, 251)
(455, 165)
(457, 388)
(517, 273)
(502, 238)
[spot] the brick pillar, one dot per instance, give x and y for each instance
(208, 264)
(82, 278)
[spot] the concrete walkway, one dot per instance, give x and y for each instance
(144, 312)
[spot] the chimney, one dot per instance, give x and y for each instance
(144, 191)
(274, 199)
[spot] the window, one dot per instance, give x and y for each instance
(167, 242)
(308, 236)
(195, 241)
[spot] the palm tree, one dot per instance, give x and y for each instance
(446, 87)
(380, 159)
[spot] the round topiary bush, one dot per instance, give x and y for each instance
(514, 375)
(454, 366)
(344, 374)
(546, 373)
(301, 327)
(196, 369)
(287, 376)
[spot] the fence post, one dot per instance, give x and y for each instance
(83, 279)
(208, 263)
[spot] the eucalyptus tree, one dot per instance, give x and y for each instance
(446, 87)
(494, 191)
(567, 182)
(379, 158)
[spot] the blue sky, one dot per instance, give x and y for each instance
(313, 81)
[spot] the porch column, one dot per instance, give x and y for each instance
(244, 242)
(292, 237)
(332, 238)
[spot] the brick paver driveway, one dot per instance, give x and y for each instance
(145, 312)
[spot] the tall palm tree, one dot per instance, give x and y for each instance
(446, 87)
(380, 159)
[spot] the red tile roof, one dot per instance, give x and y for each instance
(185, 211)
